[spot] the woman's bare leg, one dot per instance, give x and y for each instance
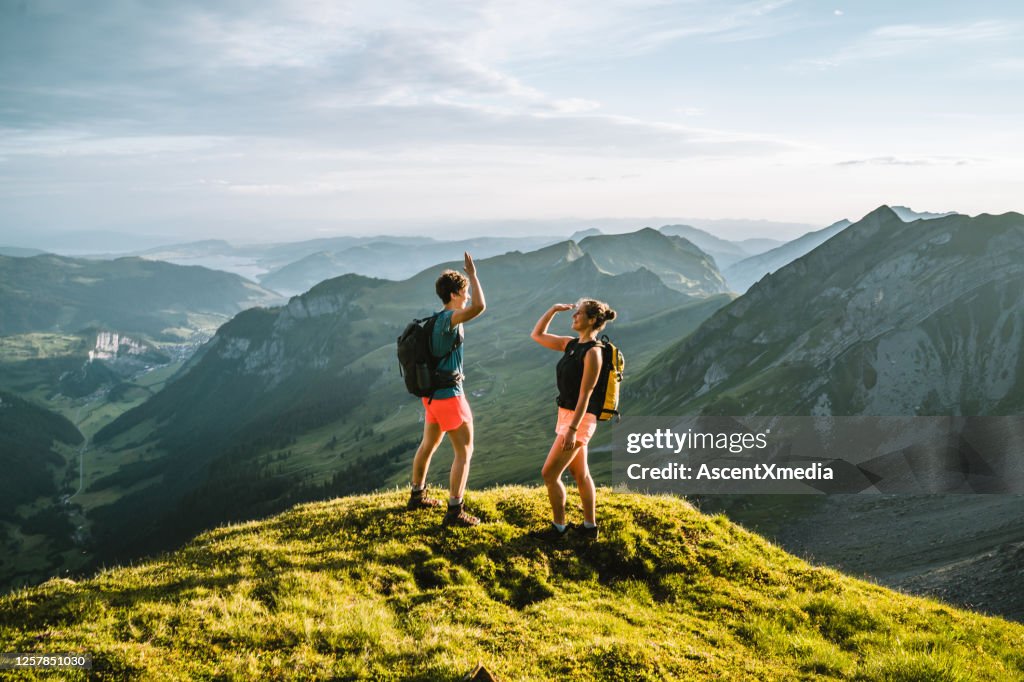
(557, 460)
(588, 495)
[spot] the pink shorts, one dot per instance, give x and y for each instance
(448, 412)
(585, 430)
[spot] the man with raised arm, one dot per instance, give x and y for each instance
(447, 411)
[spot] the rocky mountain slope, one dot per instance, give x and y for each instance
(886, 318)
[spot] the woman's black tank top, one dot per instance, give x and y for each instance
(569, 376)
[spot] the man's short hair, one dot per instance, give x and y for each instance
(449, 283)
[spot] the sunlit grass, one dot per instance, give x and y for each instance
(356, 588)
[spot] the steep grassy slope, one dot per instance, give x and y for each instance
(27, 433)
(36, 448)
(356, 588)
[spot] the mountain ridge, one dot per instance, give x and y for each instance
(873, 283)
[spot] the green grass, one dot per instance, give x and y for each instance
(356, 588)
(38, 346)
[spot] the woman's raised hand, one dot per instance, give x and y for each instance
(562, 307)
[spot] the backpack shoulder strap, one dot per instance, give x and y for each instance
(431, 323)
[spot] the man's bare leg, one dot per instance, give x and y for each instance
(462, 445)
(432, 435)
(418, 499)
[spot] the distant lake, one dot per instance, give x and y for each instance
(240, 265)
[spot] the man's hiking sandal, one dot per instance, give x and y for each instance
(457, 516)
(550, 534)
(418, 500)
(584, 534)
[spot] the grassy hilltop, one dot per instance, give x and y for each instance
(356, 589)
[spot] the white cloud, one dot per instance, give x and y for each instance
(75, 143)
(689, 111)
(908, 161)
(1008, 65)
(575, 105)
(299, 189)
(897, 40)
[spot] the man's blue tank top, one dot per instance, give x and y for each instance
(440, 343)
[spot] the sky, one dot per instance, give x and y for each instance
(265, 120)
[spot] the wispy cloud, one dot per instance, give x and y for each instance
(299, 189)
(1007, 65)
(887, 42)
(906, 161)
(57, 143)
(353, 76)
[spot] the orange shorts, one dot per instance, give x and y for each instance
(448, 412)
(585, 430)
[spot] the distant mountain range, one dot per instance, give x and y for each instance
(18, 252)
(676, 261)
(53, 293)
(294, 268)
(743, 273)
(392, 258)
(723, 251)
(908, 215)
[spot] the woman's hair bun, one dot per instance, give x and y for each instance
(609, 315)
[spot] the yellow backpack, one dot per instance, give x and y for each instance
(610, 380)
